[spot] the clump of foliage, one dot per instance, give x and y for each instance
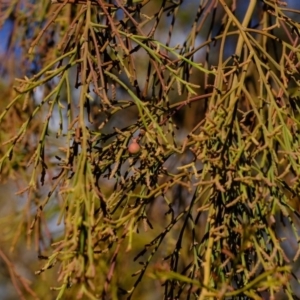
(174, 162)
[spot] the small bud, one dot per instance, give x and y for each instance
(134, 147)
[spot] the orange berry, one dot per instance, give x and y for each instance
(134, 147)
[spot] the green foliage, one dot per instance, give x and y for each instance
(107, 94)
